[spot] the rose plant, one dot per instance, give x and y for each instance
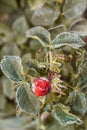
(44, 60)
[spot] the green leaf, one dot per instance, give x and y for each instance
(10, 49)
(35, 4)
(31, 63)
(5, 33)
(74, 8)
(8, 88)
(69, 39)
(78, 101)
(82, 79)
(36, 68)
(40, 54)
(20, 26)
(27, 100)
(35, 45)
(12, 68)
(55, 125)
(56, 30)
(79, 26)
(41, 34)
(43, 69)
(26, 57)
(84, 89)
(44, 16)
(61, 113)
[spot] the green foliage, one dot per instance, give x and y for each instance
(41, 34)
(5, 33)
(10, 49)
(69, 39)
(82, 74)
(40, 68)
(65, 38)
(8, 88)
(44, 16)
(64, 117)
(57, 30)
(79, 27)
(12, 68)
(74, 8)
(19, 27)
(35, 45)
(78, 101)
(27, 100)
(44, 38)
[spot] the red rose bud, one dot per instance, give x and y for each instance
(41, 86)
